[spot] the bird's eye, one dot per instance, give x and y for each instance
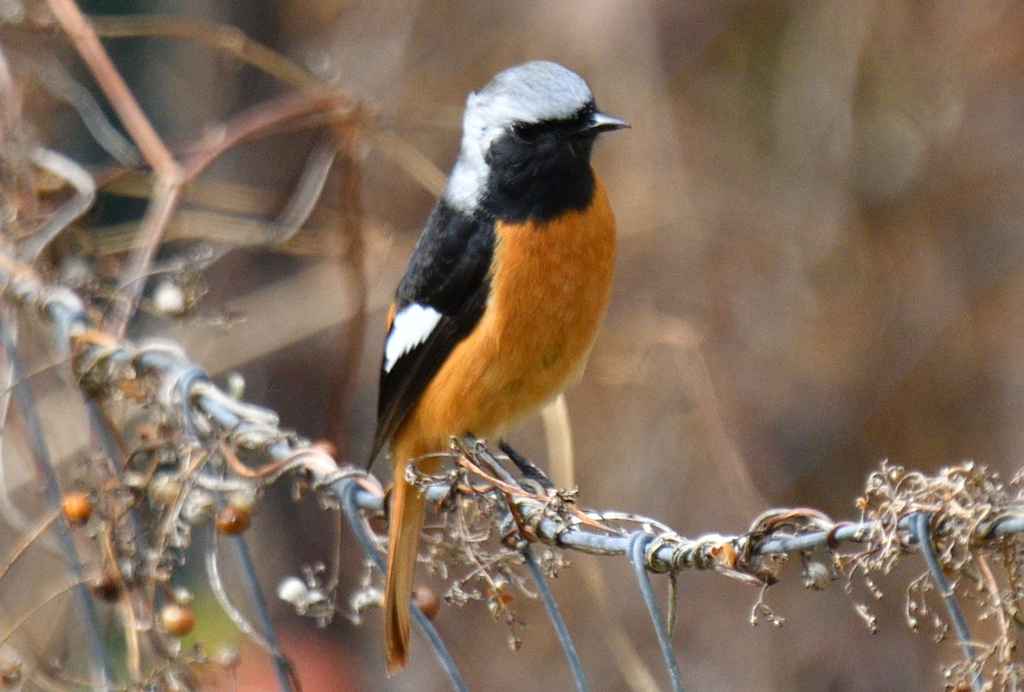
(527, 133)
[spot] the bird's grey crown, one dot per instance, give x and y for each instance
(530, 93)
(527, 93)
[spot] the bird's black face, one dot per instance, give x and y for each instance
(541, 170)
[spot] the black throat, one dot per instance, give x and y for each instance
(539, 172)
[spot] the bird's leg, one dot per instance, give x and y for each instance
(526, 467)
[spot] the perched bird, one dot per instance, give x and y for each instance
(502, 297)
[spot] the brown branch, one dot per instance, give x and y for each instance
(258, 121)
(83, 36)
(228, 39)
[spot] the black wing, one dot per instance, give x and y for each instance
(449, 271)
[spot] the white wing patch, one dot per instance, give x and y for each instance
(410, 328)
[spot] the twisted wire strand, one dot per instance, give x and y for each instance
(100, 361)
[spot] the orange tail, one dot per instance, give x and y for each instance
(407, 505)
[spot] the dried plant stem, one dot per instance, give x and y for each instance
(126, 606)
(6, 88)
(258, 120)
(190, 474)
(14, 516)
(169, 174)
(635, 673)
(82, 35)
(992, 586)
(419, 167)
(228, 39)
(37, 607)
(25, 404)
(78, 204)
(27, 539)
(558, 436)
(334, 575)
(158, 213)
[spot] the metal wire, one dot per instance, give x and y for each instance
(348, 492)
(102, 669)
(205, 410)
(564, 639)
(921, 522)
(638, 544)
(282, 666)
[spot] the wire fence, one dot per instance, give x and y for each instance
(164, 455)
(961, 522)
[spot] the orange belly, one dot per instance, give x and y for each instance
(549, 292)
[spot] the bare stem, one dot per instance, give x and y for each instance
(83, 36)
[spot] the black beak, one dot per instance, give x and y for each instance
(600, 122)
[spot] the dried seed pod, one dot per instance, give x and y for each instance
(149, 438)
(501, 591)
(177, 619)
(132, 479)
(232, 520)
(164, 489)
(427, 600)
(10, 676)
(244, 500)
(235, 385)
(169, 299)
(816, 576)
(723, 554)
(76, 507)
(199, 507)
(105, 586)
(326, 446)
(229, 657)
(293, 590)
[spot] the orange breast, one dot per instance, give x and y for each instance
(549, 290)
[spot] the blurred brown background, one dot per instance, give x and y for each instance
(819, 206)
